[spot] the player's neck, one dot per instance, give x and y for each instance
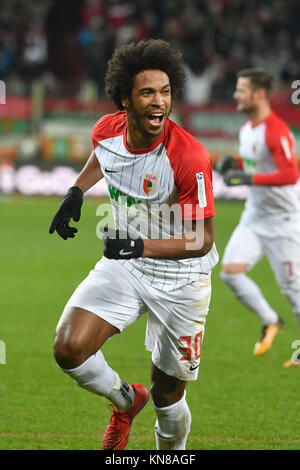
(136, 139)
(260, 114)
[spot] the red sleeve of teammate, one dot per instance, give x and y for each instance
(280, 144)
(239, 163)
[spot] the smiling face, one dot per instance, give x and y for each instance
(148, 108)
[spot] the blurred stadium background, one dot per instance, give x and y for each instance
(53, 56)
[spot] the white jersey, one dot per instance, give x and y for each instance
(176, 169)
(267, 152)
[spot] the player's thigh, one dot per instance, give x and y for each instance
(110, 294)
(175, 328)
(244, 248)
(79, 334)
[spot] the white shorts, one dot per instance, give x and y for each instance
(276, 237)
(176, 320)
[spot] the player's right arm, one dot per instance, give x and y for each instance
(70, 208)
(228, 162)
(90, 174)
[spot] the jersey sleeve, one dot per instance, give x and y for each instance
(94, 136)
(109, 125)
(98, 130)
(280, 143)
(193, 178)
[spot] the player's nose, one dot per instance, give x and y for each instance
(158, 99)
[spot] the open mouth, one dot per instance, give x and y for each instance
(155, 119)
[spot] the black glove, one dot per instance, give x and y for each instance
(118, 244)
(225, 163)
(237, 177)
(70, 207)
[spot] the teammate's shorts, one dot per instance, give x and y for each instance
(277, 237)
(176, 320)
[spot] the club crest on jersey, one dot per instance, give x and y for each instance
(150, 183)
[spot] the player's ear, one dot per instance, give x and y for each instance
(260, 93)
(124, 101)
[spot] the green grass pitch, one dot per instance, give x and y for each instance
(238, 403)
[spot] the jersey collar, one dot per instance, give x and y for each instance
(147, 149)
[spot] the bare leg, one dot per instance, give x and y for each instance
(79, 334)
(165, 389)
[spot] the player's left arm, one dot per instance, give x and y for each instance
(196, 242)
(280, 144)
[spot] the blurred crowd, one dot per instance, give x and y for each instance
(67, 43)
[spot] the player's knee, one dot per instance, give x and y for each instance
(228, 277)
(68, 352)
(232, 270)
(165, 396)
(162, 398)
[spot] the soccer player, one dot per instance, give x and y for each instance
(270, 223)
(153, 169)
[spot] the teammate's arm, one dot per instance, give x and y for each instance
(228, 162)
(280, 146)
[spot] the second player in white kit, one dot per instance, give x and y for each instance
(270, 223)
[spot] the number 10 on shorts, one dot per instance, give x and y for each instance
(191, 347)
